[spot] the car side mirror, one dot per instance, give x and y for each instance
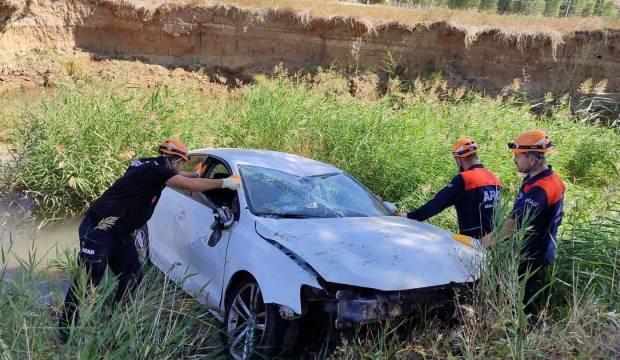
(391, 207)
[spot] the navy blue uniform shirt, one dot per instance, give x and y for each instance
(132, 198)
(474, 193)
(539, 204)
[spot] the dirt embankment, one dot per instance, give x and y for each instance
(249, 41)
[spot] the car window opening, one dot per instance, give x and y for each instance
(216, 169)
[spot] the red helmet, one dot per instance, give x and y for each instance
(173, 147)
(531, 141)
(464, 147)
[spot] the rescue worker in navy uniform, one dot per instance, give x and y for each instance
(474, 192)
(539, 206)
(105, 231)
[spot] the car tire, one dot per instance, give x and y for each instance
(140, 239)
(253, 329)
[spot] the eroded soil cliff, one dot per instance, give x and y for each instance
(250, 40)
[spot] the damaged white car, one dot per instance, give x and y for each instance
(300, 247)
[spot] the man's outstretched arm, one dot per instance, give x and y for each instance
(200, 185)
(444, 198)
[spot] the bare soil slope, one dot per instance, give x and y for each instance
(246, 40)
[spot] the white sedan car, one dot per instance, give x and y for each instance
(301, 246)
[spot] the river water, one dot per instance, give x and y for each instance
(22, 236)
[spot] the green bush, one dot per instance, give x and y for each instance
(606, 8)
(504, 6)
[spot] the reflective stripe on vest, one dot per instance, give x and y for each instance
(479, 177)
(552, 186)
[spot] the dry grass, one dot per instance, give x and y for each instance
(473, 22)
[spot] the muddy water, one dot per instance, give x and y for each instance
(21, 236)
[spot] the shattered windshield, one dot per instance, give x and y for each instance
(279, 194)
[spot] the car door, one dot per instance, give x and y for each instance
(168, 245)
(204, 258)
(161, 235)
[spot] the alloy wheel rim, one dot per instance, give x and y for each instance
(246, 322)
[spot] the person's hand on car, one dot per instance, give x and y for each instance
(232, 182)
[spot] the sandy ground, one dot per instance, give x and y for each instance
(38, 74)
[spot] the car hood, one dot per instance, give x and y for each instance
(385, 253)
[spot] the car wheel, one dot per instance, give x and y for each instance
(141, 242)
(253, 329)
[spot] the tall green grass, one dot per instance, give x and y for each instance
(158, 322)
(72, 145)
(576, 320)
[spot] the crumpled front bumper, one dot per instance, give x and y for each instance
(351, 309)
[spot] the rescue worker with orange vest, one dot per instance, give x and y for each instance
(539, 205)
(105, 231)
(474, 192)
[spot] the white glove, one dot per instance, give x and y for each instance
(232, 183)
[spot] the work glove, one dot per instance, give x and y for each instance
(232, 182)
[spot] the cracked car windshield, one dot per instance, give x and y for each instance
(279, 194)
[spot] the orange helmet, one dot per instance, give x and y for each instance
(531, 141)
(465, 147)
(175, 148)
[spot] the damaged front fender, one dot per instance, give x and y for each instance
(279, 275)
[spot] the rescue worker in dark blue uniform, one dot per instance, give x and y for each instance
(474, 192)
(105, 231)
(539, 206)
